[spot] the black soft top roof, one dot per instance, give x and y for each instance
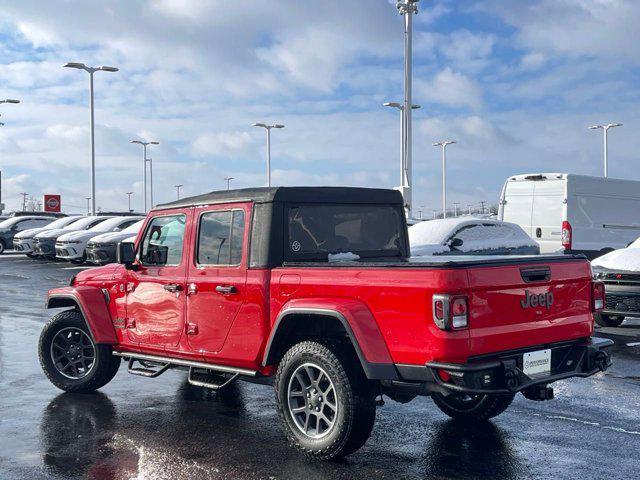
(293, 195)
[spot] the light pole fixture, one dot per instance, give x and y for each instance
(605, 129)
(129, 200)
(91, 71)
(268, 129)
(403, 168)
(178, 187)
(228, 180)
(443, 146)
(144, 164)
(10, 100)
(407, 8)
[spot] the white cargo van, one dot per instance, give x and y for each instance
(573, 213)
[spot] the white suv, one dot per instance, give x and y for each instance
(71, 246)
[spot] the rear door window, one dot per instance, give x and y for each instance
(220, 238)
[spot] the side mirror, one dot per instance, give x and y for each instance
(126, 254)
(456, 242)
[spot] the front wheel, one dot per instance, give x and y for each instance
(71, 359)
(474, 407)
(324, 400)
(608, 320)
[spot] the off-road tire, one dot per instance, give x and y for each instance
(2, 247)
(482, 409)
(355, 397)
(608, 320)
(105, 364)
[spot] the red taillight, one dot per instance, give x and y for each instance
(450, 312)
(566, 235)
(598, 296)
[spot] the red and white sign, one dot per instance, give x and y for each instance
(52, 203)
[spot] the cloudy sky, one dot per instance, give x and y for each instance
(515, 83)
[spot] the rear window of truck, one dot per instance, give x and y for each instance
(370, 231)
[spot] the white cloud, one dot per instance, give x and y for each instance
(68, 133)
(468, 50)
(450, 88)
(533, 61)
(220, 143)
(603, 28)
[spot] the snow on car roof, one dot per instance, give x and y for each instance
(624, 260)
(429, 237)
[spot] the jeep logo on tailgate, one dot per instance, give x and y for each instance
(534, 300)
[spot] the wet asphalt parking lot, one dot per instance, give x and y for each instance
(164, 428)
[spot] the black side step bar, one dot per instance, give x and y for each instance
(147, 371)
(204, 380)
(164, 363)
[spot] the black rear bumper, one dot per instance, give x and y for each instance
(503, 373)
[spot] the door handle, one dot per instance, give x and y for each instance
(172, 287)
(226, 289)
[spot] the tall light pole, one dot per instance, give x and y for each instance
(91, 71)
(178, 187)
(129, 201)
(228, 180)
(605, 129)
(144, 164)
(407, 8)
(150, 161)
(403, 168)
(268, 129)
(455, 209)
(88, 206)
(443, 146)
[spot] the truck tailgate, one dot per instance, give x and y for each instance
(517, 306)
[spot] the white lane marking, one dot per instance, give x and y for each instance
(633, 344)
(75, 268)
(584, 422)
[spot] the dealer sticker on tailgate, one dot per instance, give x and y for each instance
(536, 363)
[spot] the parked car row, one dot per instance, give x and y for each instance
(68, 238)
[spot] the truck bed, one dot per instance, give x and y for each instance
(399, 293)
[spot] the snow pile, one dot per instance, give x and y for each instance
(625, 259)
(433, 237)
(343, 257)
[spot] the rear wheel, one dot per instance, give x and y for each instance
(324, 400)
(474, 407)
(2, 247)
(608, 320)
(71, 359)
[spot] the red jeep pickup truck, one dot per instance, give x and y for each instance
(313, 290)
